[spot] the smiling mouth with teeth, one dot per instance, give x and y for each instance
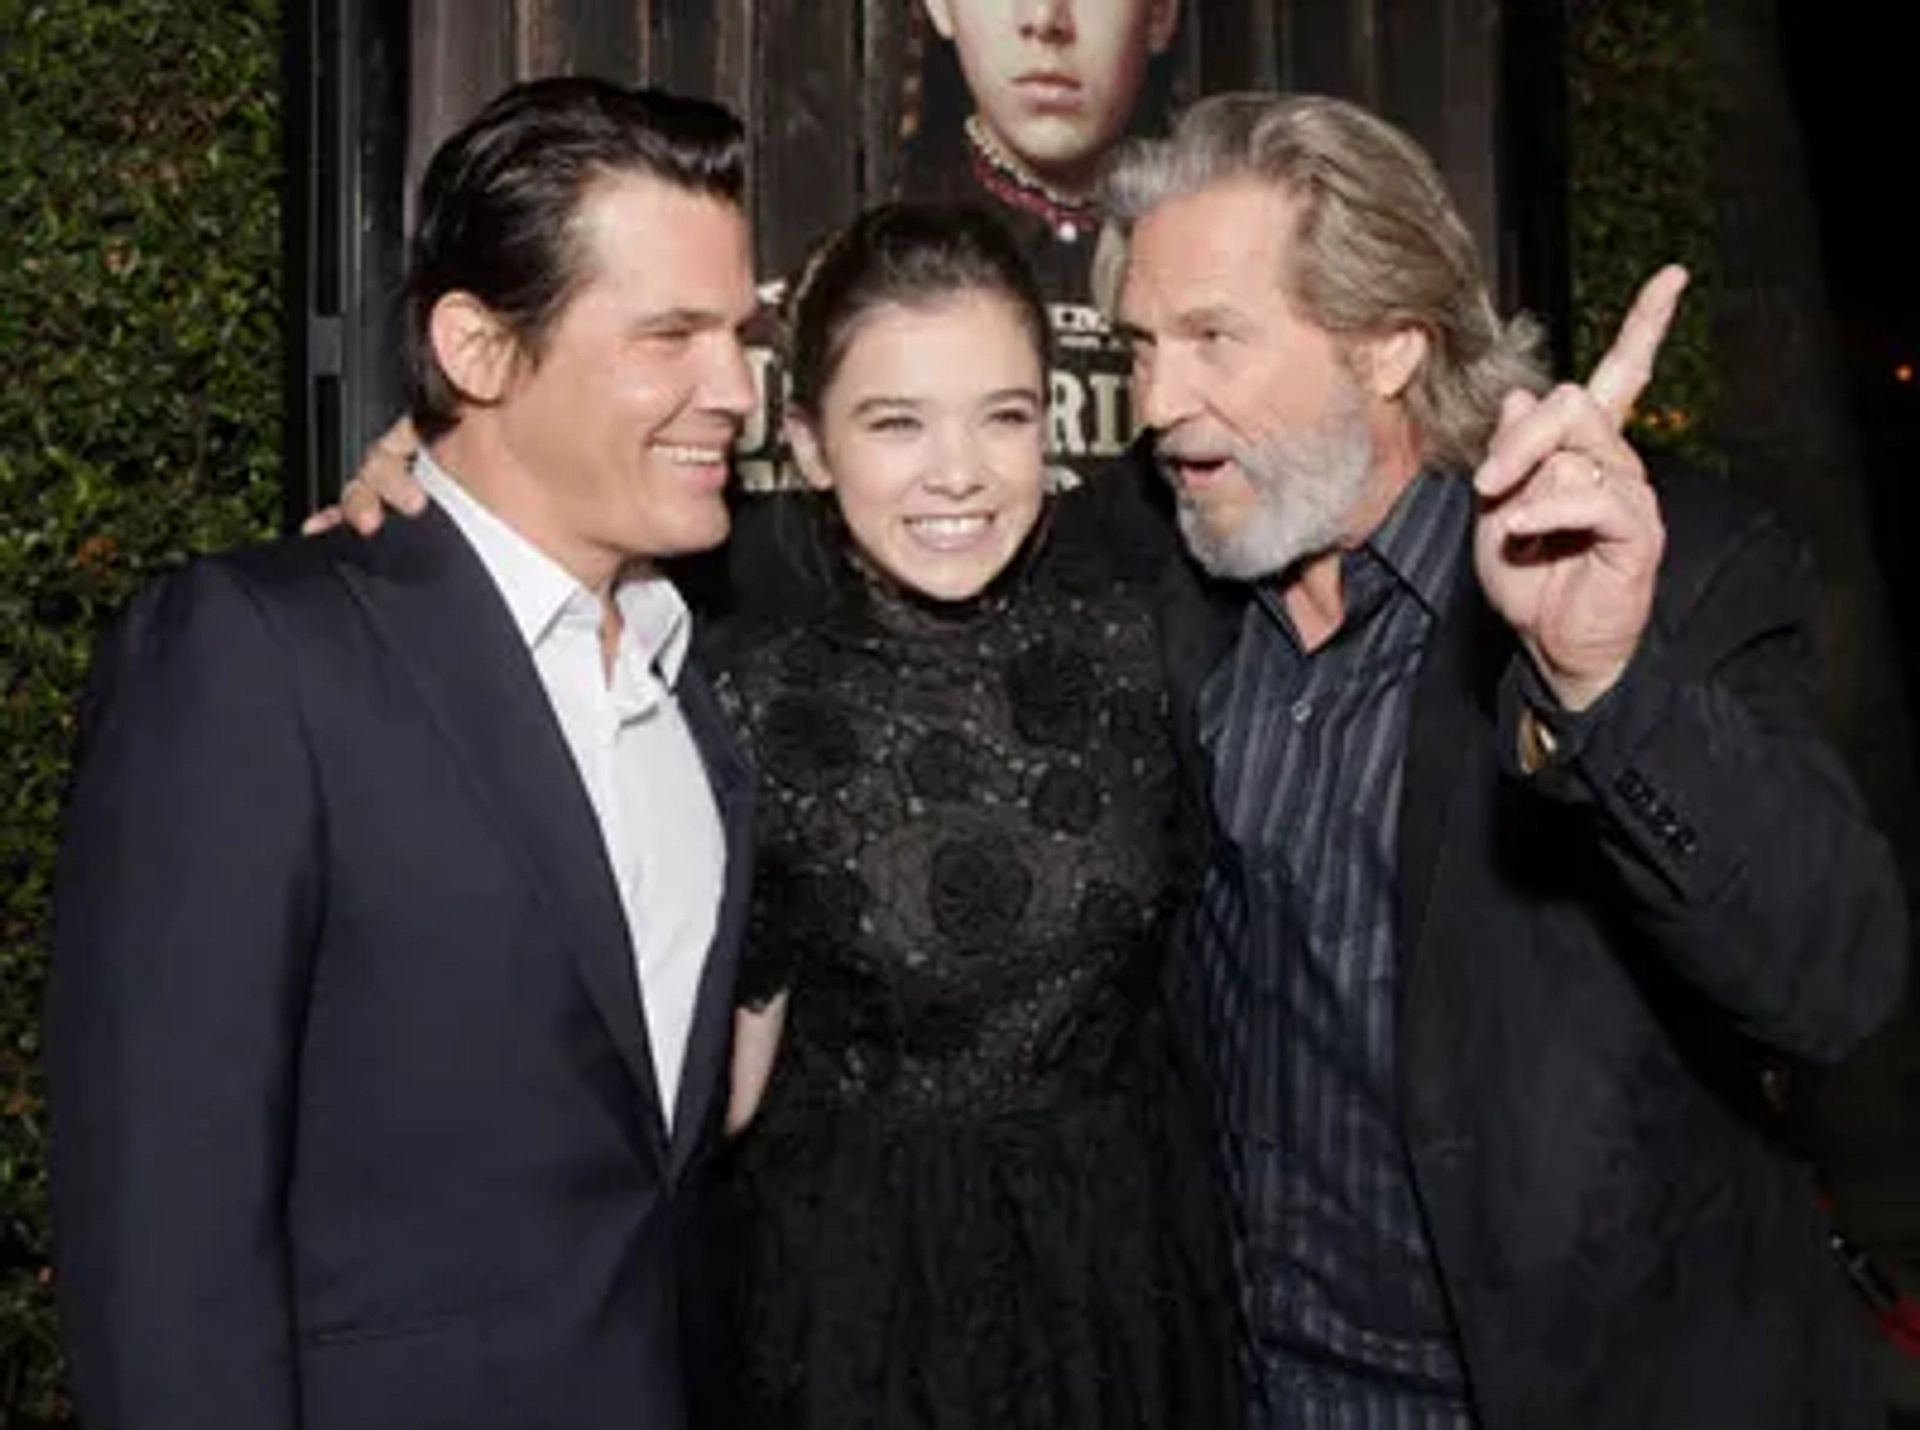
(948, 531)
(691, 456)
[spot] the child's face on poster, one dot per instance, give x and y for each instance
(1054, 81)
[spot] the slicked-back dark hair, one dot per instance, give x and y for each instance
(911, 254)
(500, 198)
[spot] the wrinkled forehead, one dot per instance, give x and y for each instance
(1228, 242)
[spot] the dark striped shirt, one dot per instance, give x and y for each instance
(1298, 964)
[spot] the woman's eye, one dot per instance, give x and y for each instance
(1012, 417)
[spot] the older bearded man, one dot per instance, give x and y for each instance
(1527, 856)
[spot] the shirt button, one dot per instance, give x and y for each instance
(1302, 711)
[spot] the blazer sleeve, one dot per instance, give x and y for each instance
(1744, 850)
(185, 905)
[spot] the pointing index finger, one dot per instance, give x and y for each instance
(1621, 376)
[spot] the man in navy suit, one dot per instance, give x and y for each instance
(403, 878)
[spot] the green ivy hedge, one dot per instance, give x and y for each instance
(1641, 197)
(140, 338)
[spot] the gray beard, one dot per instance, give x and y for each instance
(1307, 490)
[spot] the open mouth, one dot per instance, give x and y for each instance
(682, 455)
(1192, 470)
(950, 533)
(706, 465)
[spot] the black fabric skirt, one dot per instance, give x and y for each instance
(1046, 1269)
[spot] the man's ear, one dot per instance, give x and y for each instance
(1162, 20)
(940, 14)
(1390, 361)
(473, 346)
(804, 443)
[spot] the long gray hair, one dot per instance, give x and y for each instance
(1379, 246)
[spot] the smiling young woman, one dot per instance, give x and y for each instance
(971, 1190)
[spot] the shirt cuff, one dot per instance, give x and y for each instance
(1539, 736)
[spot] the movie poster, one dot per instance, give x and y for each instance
(1016, 105)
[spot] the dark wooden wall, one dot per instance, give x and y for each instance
(819, 80)
(1431, 66)
(816, 80)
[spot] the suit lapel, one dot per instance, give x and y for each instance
(430, 595)
(710, 1034)
(1199, 620)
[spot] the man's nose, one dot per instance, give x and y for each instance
(1164, 392)
(729, 385)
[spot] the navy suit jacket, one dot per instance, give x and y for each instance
(355, 1125)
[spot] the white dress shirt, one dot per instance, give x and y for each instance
(642, 770)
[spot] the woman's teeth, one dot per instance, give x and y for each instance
(948, 529)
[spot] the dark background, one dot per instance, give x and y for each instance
(1853, 76)
(1853, 72)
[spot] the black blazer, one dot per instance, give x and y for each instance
(355, 1125)
(1598, 965)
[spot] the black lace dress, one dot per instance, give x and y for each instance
(976, 1196)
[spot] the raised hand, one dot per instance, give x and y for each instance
(385, 479)
(1569, 536)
